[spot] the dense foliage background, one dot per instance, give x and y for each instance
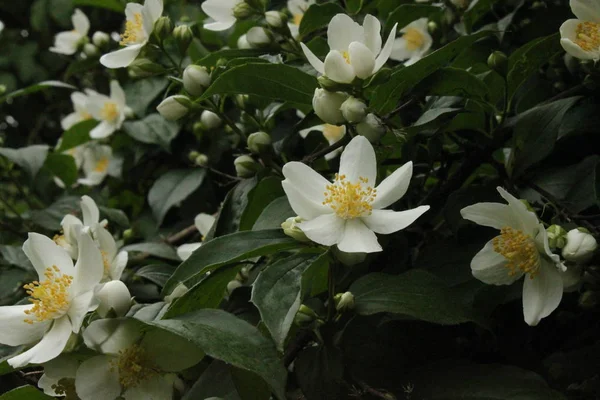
(420, 326)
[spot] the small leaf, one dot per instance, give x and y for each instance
(30, 158)
(156, 273)
(153, 129)
(230, 214)
(113, 5)
(76, 135)
(172, 188)
(51, 217)
(36, 88)
(454, 82)
(318, 16)
(27, 392)
(274, 214)
(63, 167)
(477, 10)
(141, 93)
(161, 250)
(114, 215)
(259, 197)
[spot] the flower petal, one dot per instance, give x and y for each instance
(14, 331)
(117, 94)
(372, 29)
(102, 130)
(490, 267)
(337, 69)
(388, 221)
(392, 188)
(118, 265)
(303, 177)
(185, 250)
(66, 43)
(542, 294)
(220, 26)
(96, 379)
(528, 221)
(122, 57)
(313, 60)
(386, 51)
(587, 10)
(106, 242)
(81, 23)
(90, 211)
(361, 59)
(109, 336)
(303, 206)
(494, 215)
(325, 229)
(358, 161)
(204, 222)
(152, 11)
(131, 9)
(160, 387)
(221, 11)
(358, 238)
(342, 31)
(90, 266)
(79, 307)
(44, 253)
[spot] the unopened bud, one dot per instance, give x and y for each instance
(557, 236)
(330, 85)
(100, 38)
(90, 50)
(163, 28)
(143, 66)
(290, 228)
(580, 246)
(589, 300)
(128, 234)
(174, 107)
(195, 79)
(371, 128)
(241, 100)
(232, 285)
(192, 155)
(179, 291)
(258, 37)
(305, 315)
(353, 110)
(245, 166)
(259, 142)
(344, 301)
(210, 120)
(183, 35)
(242, 10)
(114, 296)
(242, 42)
(201, 160)
(432, 26)
(275, 19)
(498, 62)
(327, 106)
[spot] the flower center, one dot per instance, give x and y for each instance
(350, 200)
(109, 111)
(134, 31)
(520, 251)
(134, 366)
(346, 56)
(106, 263)
(588, 36)
(333, 132)
(101, 165)
(414, 39)
(297, 19)
(50, 297)
(85, 115)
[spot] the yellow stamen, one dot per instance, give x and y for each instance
(85, 115)
(346, 57)
(333, 133)
(109, 111)
(101, 165)
(297, 19)
(520, 251)
(134, 366)
(50, 297)
(414, 39)
(106, 263)
(588, 36)
(350, 200)
(134, 30)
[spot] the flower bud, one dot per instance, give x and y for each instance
(344, 301)
(115, 296)
(192, 155)
(259, 142)
(163, 27)
(353, 110)
(195, 79)
(201, 160)
(275, 19)
(258, 37)
(327, 106)
(145, 67)
(128, 234)
(90, 50)
(580, 246)
(589, 300)
(556, 236)
(100, 38)
(241, 100)
(305, 315)
(242, 10)
(371, 128)
(232, 285)
(173, 107)
(183, 35)
(498, 62)
(242, 42)
(432, 27)
(245, 166)
(290, 228)
(210, 120)
(179, 291)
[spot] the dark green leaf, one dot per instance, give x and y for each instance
(113, 5)
(274, 214)
(36, 88)
(172, 188)
(30, 158)
(51, 217)
(14, 255)
(76, 135)
(477, 10)
(161, 250)
(25, 393)
(141, 93)
(259, 197)
(63, 167)
(454, 82)
(215, 381)
(319, 371)
(354, 6)
(250, 386)
(228, 54)
(230, 214)
(156, 273)
(318, 16)
(114, 215)
(153, 129)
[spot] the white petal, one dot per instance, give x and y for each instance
(400, 51)
(337, 69)
(221, 11)
(568, 34)
(122, 57)
(303, 177)
(494, 215)
(117, 94)
(51, 345)
(326, 229)
(303, 206)
(66, 43)
(70, 120)
(131, 9)
(158, 388)
(219, 26)
(81, 23)
(109, 336)
(312, 59)
(89, 268)
(361, 59)
(490, 267)
(106, 242)
(79, 307)
(118, 265)
(342, 31)
(102, 130)
(542, 294)
(358, 238)
(14, 331)
(388, 221)
(587, 10)
(386, 51)
(529, 222)
(372, 28)
(392, 188)
(97, 379)
(204, 223)
(44, 253)
(358, 161)
(185, 250)
(151, 12)
(90, 211)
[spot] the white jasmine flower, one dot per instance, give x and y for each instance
(80, 113)
(580, 246)
(59, 375)
(221, 11)
(136, 363)
(349, 211)
(68, 42)
(355, 51)
(204, 223)
(331, 133)
(114, 261)
(414, 43)
(60, 299)
(520, 250)
(98, 161)
(297, 8)
(138, 28)
(110, 111)
(581, 37)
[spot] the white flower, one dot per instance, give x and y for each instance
(68, 42)
(204, 223)
(115, 296)
(297, 8)
(98, 161)
(80, 113)
(332, 133)
(60, 299)
(581, 37)
(327, 105)
(520, 249)
(136, 363)
(138, 28)
(114, 261)
(349, 211)
(221, 11)
(580, 246)
(355, 51)
(73, 226)
(413, 44)
(110, 111)
(58, 373)
(171, 109)
(1, 26)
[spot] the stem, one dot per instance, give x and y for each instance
(176, 237)
(11, 208)
(331, 292)
(227, 120)
(175, 65)
(312, 157)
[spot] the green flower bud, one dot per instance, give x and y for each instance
(245, 166)
(258, 37)
(100, 39)
(232, 285)
(353, 110)
(275, 19)
(556, 236)
(305, 316)
(242, 10)
(210, 120)
(183, 35)
(144, 67)
(241, 100)
(201, 160)
(498, 62)
(174, 107)
(128, 234)
(195, 79)
(432, 26)
(290, 228)
(259, 142)
(327, 106)
(163, 28)
(192, 155)
(90, 50)
(344, 301)
(580, 246)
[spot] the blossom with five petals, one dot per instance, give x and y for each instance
(110, 111)
(414, 43)
(581, 37)
(68, 42)
(98, 162)
(221, 11)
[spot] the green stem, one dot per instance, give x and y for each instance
(331, 292)
(227, 120)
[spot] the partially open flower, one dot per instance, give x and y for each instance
(68, 42)
(581, 37)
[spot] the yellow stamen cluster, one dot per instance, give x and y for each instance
(414, 39)
(50, 297)
(346, 57)
(520, 251)
(350, 200)
(134, 366)
(85, 115)
(109, 111)
(297, 19)
(101, 165)
(333, 132)
(106, 263)
(133, 28)
(59, 239)
(588, 36)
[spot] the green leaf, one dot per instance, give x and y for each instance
(215, 381)
(477, 10)
(385, 97)
(225, 337)
(27, 392)
(153, 129)
(229, 249)
(14, 255)
(273, 81)
(415, 293)
(319, 372)
(230, 214)
(172, 188)
(113, 5)
(156, 273)
(30, 158)
(141, 93)
(407, 13)
(76, 135)
(274, 214)
(51, 217)
(318, 16)
(228, 54)
(161, 250)
(249, 385)
(259, 197)
(354, 6)
(36, 88)
(454, 82)
(277, 293)
(63, 167)
(116, 216)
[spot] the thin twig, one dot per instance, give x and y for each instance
(312, 157)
